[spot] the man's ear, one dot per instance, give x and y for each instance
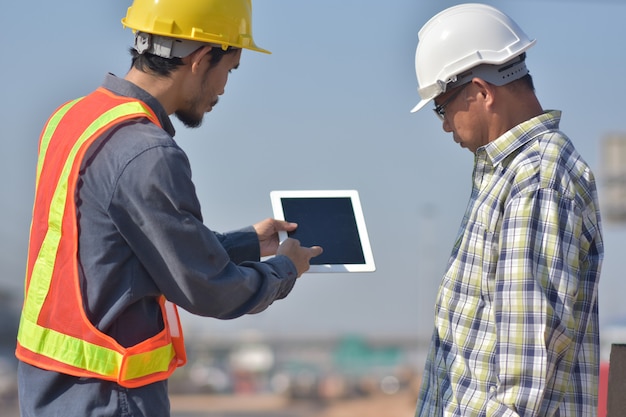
(196, 57)
(486, 90)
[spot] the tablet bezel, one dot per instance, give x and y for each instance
(369, 265)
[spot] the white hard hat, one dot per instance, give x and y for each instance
(471, 36)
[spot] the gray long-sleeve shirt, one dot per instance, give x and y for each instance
(141, 234)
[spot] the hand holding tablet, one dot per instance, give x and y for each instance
(332, 219)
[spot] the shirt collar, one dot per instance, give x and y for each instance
(521, 134)
(125, 88)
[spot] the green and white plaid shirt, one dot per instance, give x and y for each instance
(516, 320)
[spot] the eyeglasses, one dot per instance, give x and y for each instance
(440, 110)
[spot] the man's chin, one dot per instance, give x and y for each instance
(188, 120)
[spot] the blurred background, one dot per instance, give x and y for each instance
(329, 109)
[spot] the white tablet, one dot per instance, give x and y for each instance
(332, 219)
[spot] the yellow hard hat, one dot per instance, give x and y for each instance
(222, 22)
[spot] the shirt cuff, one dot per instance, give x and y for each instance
(287, 271)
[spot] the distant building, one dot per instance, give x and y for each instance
(613, 178)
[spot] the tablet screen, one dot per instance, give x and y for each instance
(330, 219)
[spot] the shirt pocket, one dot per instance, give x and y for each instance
(473, 269)
(464, 276)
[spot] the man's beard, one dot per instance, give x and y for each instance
(189, 118)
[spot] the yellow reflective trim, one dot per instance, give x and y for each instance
(58, 346)
(44, 264)
(69, 350)
(147, 363)
(47, 135)
(96, 359)
(43, 147)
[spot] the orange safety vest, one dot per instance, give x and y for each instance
(54, 332)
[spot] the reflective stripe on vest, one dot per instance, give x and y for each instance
(54, 332)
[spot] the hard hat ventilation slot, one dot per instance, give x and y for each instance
(515, 69)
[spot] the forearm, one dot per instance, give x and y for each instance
(241, 245)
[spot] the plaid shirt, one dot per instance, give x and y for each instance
(516, 321)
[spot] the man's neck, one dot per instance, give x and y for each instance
(162, 88)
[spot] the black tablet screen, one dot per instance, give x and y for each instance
(328, 222)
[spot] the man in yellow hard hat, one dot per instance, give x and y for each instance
(117, 239)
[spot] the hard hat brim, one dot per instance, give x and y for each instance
(420, 105)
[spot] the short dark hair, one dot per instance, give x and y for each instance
(528, 80)
(524, 83)
(155, 64)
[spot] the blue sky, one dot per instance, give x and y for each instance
(329, 109)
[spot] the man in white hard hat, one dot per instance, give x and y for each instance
(516, 319)
(117, 238)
